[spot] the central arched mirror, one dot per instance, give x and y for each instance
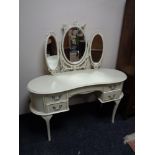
(74, 45)
(96, 49)
(51, 52)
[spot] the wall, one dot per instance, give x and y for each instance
(39, 17)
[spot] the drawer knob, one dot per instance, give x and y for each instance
(57, 108)
(56, 98)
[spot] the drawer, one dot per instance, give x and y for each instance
(54, 98)
(109, 96)
(111, 87)
(57, 107)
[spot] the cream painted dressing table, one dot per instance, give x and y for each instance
(75, 69)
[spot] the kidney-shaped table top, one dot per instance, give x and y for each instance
(60, 82)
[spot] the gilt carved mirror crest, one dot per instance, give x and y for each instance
(75, 52)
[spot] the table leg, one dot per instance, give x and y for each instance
(47, 120)
(115, 109)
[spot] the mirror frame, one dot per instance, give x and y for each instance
(62, 46)
(45, 52)
(96, 64)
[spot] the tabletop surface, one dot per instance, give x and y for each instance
(60, 82)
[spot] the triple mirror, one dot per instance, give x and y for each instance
(74, 49)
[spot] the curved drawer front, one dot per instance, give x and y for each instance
(55, 103)
(112, 87)
(54, 98)
(43, 103)
(113, 95)
(57, 107)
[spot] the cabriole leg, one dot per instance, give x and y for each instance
(115, 109)
(47, 119)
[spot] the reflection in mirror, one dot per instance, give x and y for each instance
(97, 48)
(51, 46)
(74, 44)
(51, 53)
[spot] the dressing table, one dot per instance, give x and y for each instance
(75, 68)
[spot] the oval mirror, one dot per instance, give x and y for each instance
(97, 48)
(51, 53)
(74, 44)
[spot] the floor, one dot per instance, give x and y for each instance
(85, 130)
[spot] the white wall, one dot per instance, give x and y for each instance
(39, 17)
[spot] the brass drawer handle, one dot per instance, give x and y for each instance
(56, 109)
(112, 97)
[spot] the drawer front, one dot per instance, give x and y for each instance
(57, 107)
(109, 96)
(55, 98)
(111, 87)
